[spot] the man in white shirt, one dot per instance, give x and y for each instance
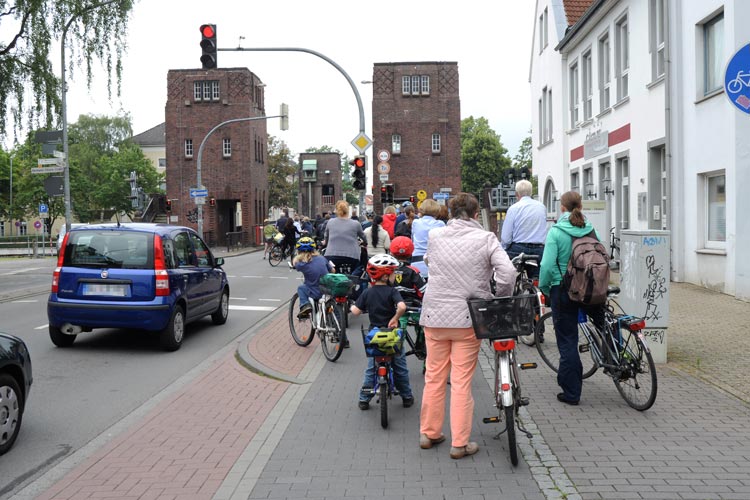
(525, 225)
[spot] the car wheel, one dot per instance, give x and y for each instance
(219, 317)
(11, 411)
(59, 338)
(171, 336)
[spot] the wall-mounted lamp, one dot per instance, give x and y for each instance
(590, 193)
(608, 187)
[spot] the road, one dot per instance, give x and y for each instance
(80, 391)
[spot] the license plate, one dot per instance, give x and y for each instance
(105, 289)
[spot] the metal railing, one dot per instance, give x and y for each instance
(235, 239)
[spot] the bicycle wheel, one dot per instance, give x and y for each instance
(302, 329)
(530, 339)
(384, 405)
(510, 429)
(276, 255)
(546, 344)
(636, 380)
(332, 337)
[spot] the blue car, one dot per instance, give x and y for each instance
(136, 276)
(15, 384)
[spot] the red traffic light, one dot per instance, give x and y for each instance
(168, 205)
(208, 44)
(382, 189)
(359, 162)
(208, 30)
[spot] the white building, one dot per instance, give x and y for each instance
(629, 107)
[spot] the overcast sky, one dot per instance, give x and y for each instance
(490, 40)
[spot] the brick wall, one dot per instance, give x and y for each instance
(330, 162)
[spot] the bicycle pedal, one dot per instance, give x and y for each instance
(527, 366)
(491, 420)
(584, 348)
(523, 401)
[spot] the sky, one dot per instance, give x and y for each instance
(489, 39)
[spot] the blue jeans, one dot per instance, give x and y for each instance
(305, 293)
(516, 249)
(565, 319)
(400, 378)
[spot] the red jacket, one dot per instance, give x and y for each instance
(389, 223)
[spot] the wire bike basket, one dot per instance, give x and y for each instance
(502, 317)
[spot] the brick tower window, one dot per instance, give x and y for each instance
(188, 148)
(406, 85)
(206, 90)
(435, 143)
(396, 144)
(226, 149)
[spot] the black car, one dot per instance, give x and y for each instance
(15, 383)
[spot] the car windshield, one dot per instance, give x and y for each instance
(126, 249)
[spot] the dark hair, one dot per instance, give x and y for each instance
(443, 215)
(410, 213)
(572, 203)
(375, 231)
(464, 206)
(289, 223)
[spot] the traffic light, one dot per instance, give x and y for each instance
(412, 199)
(208, 44)
(212, 202)
(383, 195)
(168, 206)
(360, 171)
(389, 193)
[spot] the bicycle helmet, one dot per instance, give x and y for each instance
(305, 244)
(406, 204)
(401, 246)
(381, 265)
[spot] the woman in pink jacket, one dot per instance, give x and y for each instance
(462, 257)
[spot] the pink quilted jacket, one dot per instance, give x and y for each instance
(461, 258)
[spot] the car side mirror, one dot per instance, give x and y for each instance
(218, 261)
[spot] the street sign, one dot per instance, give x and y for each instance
(201, 192)
(199, 200)
(44, 215)
(361, 142)
(421, 195)
(384, 155)
(48, 170)
(37, 224)
(48, 161)
(43, 209)
(383, 177)
(737, 79)
(446, 190)
(384, 168)
(59, 154)
(43, 136)
(440, 196)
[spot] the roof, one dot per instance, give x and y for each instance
(151, 137)
(574, 9)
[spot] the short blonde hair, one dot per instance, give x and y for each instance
(342, 208)
(390, 209)
(430, 207)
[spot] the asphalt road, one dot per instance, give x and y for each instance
(81, 391)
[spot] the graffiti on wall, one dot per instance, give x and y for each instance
(655, 336)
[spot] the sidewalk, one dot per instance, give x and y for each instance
(224, 431)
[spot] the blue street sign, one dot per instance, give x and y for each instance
(737, 79)
(440, 196)
(43, 209)
(198, 193)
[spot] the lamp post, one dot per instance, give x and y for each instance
(66, 163)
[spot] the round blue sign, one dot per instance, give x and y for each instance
(737, 79)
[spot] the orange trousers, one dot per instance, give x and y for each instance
(454, 352)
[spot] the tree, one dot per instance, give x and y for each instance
(523, 159)
(483, 157)
(282, 184)
(30, 30)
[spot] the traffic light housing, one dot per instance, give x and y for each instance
(212, 202)
(389, 193)
(360, 171)
(168, 206)
(412, 199)
(208, 44)
(383, 195)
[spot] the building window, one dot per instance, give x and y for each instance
(328, 194)
(713, 54)
(573, 87)
(206, 90)
(23, 229)
(575, 182)
(226, 148)
(188, 148)
(415, 81)
(605, 180)
(215, 90)
(2, 228)
(588, 184)
(197, 91)
(716, 218)
(406, 85)
(604, 72)
(656, 38)
(543, 30)
(545, 116)
(588, 90)
(435, 143)
(550, 197)
(396, 144)
(425, 85)
(622, 57)
(623, 170)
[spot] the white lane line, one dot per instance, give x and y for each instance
(269, 300)
(23, 301)
(18, 271)
(253, 276)
(42, 327)
(279, 277)
(251, 308)
(237, 298)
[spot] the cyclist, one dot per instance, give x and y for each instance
(269, 230)
(290, 237)
(312, 265)
(384, 306)
(406, 279)
(342, 239)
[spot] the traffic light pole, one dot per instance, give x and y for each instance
(198, 179)
(340, 69)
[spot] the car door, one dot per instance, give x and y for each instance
(188, 269)
(213, 277)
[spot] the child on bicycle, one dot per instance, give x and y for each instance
(312, 265)
(406, 279)
(384, 306)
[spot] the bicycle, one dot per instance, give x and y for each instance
(382, 345)
(526, 285)
(619, 348)
(742, 80)
(417, 345)
(501, 320)
(324, 321)
(614, 247)
(278, 254)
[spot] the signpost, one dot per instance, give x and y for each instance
(43, 211)
(737, 80)
(199, 195)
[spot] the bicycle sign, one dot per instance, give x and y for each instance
(737, 79)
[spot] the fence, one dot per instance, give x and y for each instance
(31, 245)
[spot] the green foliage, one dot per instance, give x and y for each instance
(483, 156)
(523, 159)
(282, 169)
(31, 29)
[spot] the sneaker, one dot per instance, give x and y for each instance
(304, 311)
(408, 402)
(427, 442)
(364, 405)
(561, 398)
(464, 451)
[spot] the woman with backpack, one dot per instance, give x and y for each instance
(557, 252)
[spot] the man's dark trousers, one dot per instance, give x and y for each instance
(516, 249)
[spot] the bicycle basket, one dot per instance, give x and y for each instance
(502, 317)
(278, 237)
(337, 285)
(383, 341)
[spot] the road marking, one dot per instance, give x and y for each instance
(237, 298)
(251, 308)
(18, 271)
(23, 301)
(270, 300)
(42, 327)
(253, 276)
(279, 277)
